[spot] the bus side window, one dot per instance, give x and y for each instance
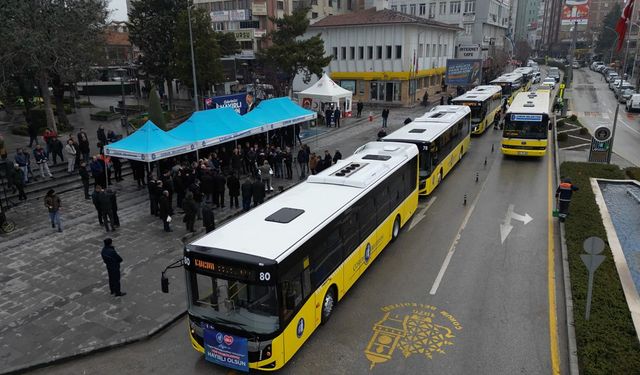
(349, 230)
(326, 253)
(366, 216)
(292, 296)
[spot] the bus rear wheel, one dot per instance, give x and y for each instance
(395, 231)
(328, 304)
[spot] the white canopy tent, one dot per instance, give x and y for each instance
(326, 91)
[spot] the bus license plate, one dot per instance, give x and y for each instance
(522, 153)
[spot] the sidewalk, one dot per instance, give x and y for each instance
(54, 299)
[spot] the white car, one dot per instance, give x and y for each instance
(633, 103)
(614, 82)
(536, 77)
(549, 82)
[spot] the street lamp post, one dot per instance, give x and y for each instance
(614, 42)
(193, 61)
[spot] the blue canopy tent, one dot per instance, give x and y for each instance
(148, 144)
(214, 126)
(277, 113)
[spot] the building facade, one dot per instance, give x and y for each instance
(386, 57)
(526, 16)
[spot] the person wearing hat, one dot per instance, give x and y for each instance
(52, 202)
(563, 196)
(112, 260)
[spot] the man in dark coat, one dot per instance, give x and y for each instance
(219, 182)
(336, 116)
(233, 184)
(114, 207)
(303, 162)
(208, 218)
(112, 260)
(385, 116)
(84, 176)
(102, 136)
(247, 192)
(83, 143)
(106, 209)
(337, 156)
(360, 106)
(328, 160)
(288, 161)
(95, 197)
(152, 187)
(117, 168)
(328, 114)
(164, 210)
(56, 150)
(18, 182)
(190, 209)
(257, 192)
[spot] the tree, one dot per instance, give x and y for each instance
(523, 51)
(152, 27)
(155, 110)
(47, 37)
(292, 55)
(228, 44)
(607, 38)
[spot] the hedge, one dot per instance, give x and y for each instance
(607, 343)
(633, 173)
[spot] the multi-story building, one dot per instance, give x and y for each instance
(526, 15)
(384, 56)
(551, 23)
(118, 51)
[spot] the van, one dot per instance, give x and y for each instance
(633, 103)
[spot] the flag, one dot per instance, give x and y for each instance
(621, 26)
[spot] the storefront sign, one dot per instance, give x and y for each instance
(244, 35)
(469, 51)
(226, 350)
(259, 9)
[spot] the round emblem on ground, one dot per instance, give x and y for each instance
(300, 328)
(367, 253)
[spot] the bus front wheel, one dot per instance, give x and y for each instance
(396, 228)
(328, 304)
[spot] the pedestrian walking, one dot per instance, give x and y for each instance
(360, 107)
(233, 184)
(208, 218)
(190, 210)
(303, 162)
(247, 193)
(48, 137)
(328, 114)
(288, 161)
(563, 196)
(106, 210)
(385, 116)
(336, 116)
(154, 195)
(95, 198)
(265, 175)
(22, 160)
(257, 192)
(102, 136)
(18, 182)
(164, 210)
(112, 260)
(42, 161)
(97, 172)
(219, 186)
(56, 150)
(84, 176)
(114, 207)
(425, 99)
(83, 144)
(70, 150)
(53, 203)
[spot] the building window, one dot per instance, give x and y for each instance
(361, 53)
(352, 53)
(376, 91)
(443, 8)
(242, 4)
(228, 5)
(361, 85)
(389, 50)
(218, 26)
(349, 5)
(378, 52)
(426, 52)
(470, 6)
(412, 9)
(468, 29)
(454, 7)
(403, 8)
(370, 52)
(314, 2)
(343, 53)
(335, 53)
(280, 5)
(398, 52)
(338, 4)
(423, 9)
(217, 6)
(433, 50)
(314, 15)
(445, 50)
(432, 10)
(439, 50)
(331, 3)
(394, 8)
(420, 49)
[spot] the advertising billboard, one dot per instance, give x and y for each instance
(236, 101)
(574, 11)
(463, 72)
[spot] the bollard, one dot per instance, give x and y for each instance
(464, 203)
(477, 176)
(492, 147)
(370, 116)
(485, 160)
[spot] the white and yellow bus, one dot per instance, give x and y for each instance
(511, 84)
(443, 136)
(527, 76)
(484, 102)
(526, 125)
(260, 285)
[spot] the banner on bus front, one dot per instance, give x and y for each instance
(226, 350)
(463, 72)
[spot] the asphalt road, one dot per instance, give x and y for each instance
(595, 105)
(464, 301)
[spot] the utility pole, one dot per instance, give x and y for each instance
(572, 52)
(615, 117)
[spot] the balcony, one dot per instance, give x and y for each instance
(469, 17)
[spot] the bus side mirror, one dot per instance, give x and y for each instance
(164, 283)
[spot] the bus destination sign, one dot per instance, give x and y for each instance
(527, 118)
(224, 270)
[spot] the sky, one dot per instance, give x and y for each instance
(118, 10)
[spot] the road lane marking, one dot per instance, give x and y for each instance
(628, 126)
(551, 276)
(421, 215)
(452, 249)
(506, 227)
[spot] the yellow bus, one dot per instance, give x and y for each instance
(443, 136)
(511, 84)
(484, 102)
(526, 125)
(260, 285)
(527, 76)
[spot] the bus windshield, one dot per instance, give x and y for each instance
(525, 129)
(477, 114)
(243, 306)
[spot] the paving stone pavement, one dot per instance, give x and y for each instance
(54, 298)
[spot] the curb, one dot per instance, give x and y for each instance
(571, 333)
(140, 337)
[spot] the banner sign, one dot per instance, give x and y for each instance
(226, 350)
(574, 11)
(527, 118)
(468, 51)
(237, 102)
(463, 72)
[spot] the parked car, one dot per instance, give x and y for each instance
(613, 82)
(536, 77)
(549, 82)
(633, 103)
(575, 65)
(611, 76)
(625, 95)
(601, 69)
(596, 64)
(624, 85)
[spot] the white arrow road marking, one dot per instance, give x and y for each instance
(421, 215)
(506, 227)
